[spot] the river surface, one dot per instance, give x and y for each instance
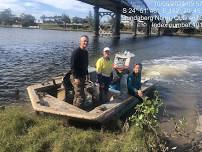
(31, 56)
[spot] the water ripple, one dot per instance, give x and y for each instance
(31, 56)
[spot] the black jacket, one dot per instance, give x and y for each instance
(79, 63)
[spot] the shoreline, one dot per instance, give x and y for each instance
(80, 30)
(90, 30)
(61, 29)
(190, 136)
(184, 35)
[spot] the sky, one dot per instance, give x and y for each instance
(171, 8)
(166, 8)
(47, 7)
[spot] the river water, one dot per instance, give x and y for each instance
(31, 56)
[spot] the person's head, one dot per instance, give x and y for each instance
(106, 52)
(84, 41)
(137, 68)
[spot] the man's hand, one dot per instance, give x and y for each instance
(77, 81)
(87, 77)
(139, 92)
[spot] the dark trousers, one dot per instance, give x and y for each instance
(104, 89)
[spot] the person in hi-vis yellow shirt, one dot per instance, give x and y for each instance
(104, 74)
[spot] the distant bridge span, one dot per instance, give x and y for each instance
(117, 7)
(113, 5)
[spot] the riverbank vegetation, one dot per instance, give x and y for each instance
(69, 27)
(22, 130)
(7, 19)
(181, 25)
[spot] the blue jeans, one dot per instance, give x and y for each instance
(115, 86)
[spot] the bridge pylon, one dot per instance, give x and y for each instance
(134, 28)
(117, 21)
(97, 21)
(148, 28)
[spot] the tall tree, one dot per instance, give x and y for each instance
(6, 17)
(57, 19)
(199, 22)
(90, 19)
(65, 19)
(27, 20)
(187, 16)
(78, 20)
(43, 17)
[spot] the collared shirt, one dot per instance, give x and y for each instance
(104, 67)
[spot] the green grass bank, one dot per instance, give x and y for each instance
(22, 130)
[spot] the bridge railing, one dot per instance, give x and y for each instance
(138, 3)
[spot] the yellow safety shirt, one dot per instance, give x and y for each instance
(104, 67)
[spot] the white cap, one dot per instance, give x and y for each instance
(106, 49)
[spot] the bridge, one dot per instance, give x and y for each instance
(129, 8)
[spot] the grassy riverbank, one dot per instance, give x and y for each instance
(47, 26)
(24, 131)
(61, 28)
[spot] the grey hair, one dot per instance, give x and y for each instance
(84, 36)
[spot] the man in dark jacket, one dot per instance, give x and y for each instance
(79, 69)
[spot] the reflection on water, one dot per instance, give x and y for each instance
(95, 43)
(115, 42)
(31, 56)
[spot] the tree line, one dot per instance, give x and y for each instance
(184, 19)
(7, 18)
(65, 19)
(26, 20)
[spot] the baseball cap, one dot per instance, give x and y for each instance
(106, 49)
